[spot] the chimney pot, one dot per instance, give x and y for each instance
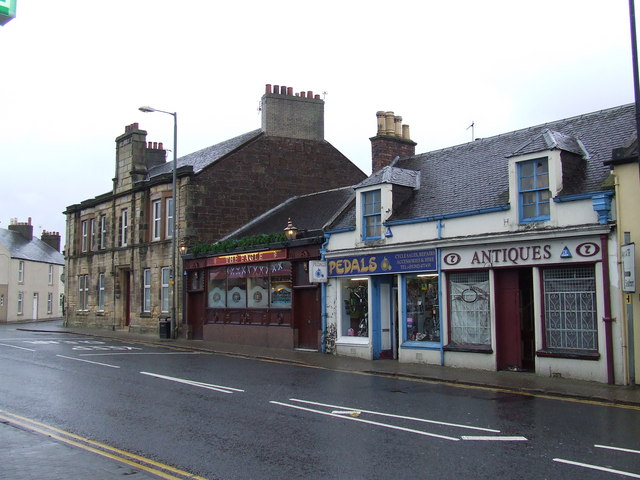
(389, 127)
(283, 90)
(267, 88)
(397, 121)
(276, 89)
(317, 96)
(289, 90)
(405, 132)
(303, 94)
(309, 94)
(160, 146)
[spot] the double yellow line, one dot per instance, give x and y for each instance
(156, 468)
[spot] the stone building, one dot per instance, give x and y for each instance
(120, 243)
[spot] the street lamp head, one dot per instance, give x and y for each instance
(147, 109)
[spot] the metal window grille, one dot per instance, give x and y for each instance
(570, 308)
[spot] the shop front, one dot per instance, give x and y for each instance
(255, 298)
(382, 304)
(540, 306)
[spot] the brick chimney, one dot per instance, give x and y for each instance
(133, 157)
(285, 114)
(24, 229)
(52, 239)
(392, 140)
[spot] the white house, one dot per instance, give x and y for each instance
(498, 254)
(30, 274)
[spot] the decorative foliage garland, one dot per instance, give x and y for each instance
(238, 244)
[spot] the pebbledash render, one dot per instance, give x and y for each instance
(119, 243)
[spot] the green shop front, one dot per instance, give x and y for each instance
(384, 305)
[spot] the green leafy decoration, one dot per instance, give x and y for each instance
(237, 244)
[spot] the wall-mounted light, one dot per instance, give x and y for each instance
(290, 231)
(183, 248)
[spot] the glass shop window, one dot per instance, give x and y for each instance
(423, 310)
(258, 286)
(355, 307)
(236, 287)
(217, 288)
(281, 287)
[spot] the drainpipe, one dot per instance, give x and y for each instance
(440, 295)
(323, 296)
(607, 310)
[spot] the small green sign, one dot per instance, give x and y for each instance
(7, 10)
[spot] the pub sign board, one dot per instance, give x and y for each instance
(384, 263)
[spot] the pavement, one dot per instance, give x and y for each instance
(27, 455)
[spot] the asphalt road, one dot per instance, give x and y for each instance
(222, 417)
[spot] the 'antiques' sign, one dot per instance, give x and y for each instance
(389, 262)
(566, 250)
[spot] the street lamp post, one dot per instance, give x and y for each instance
(175, 212)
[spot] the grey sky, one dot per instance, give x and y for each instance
(74, 74)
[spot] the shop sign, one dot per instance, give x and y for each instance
(388, 262)
(522, 254)
(628, 267)
(317, 271)
(7, 10)
(264, 256)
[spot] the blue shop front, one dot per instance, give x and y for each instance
(384, 305)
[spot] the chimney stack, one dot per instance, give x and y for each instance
(285, 114)
(392, 140)
(24, 229)
(52, 239)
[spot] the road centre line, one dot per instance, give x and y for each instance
(370, 422)
(131, 459)
(402, 417)
(597, 467)
(208, 386)
(88, 361)
(627, 450)
(15, 346)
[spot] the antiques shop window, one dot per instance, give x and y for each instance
(470, 319)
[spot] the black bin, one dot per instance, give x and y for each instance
(165, 328)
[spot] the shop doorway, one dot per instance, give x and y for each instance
(383, 316)
(515, 334)
(306, 304)
(195, 314)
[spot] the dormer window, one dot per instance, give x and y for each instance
(533, 190)
(371, 215)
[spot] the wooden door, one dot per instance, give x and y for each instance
(306, 304)
(195, 314)
(507, 304)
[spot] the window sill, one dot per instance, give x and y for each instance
(422, 345)
(468, 348)
(573, 354)
(352, 341)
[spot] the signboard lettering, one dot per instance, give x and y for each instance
(389, 262)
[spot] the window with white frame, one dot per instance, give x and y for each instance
(83, 293)
(156, 211)
(164, 289)
(101, 280)
(85, 236)
(371, 215)
(49, 302)
(533, 190)
(103, 232)
(21, 271)
(50, 275)
(146, 294)
(20, 303)
(124, 227)
(470, 315)
(94, 234)
(570, 312)
(170, 213)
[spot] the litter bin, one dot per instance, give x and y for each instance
(165, 328)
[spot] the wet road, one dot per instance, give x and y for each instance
(227, 418)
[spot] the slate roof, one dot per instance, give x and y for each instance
(203, 158)
(34, 250)
(308, 213)
(474, 176)
(396, 176)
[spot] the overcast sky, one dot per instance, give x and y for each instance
(75, 72)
